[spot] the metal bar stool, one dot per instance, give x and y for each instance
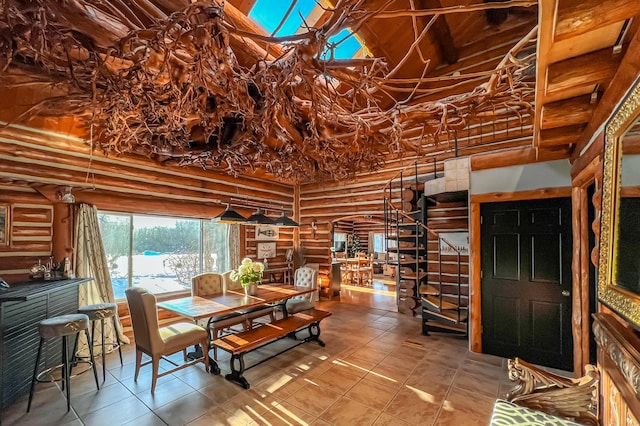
(99, 312)
(62, 326)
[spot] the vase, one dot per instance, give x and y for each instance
(251, 289)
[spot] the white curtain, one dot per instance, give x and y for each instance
(234, 246)
(91, 262)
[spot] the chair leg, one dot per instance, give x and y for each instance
(35, 374)
(115, 331)
(104, 352)
(138, 362)
(155, 362)
(92, 358)
(65, 371)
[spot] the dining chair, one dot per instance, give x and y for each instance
(252, 313)
(158, 342)
(210, 283)
(304, 277)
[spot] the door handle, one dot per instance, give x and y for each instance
(566, 293)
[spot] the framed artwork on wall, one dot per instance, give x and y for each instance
(5, 225)
(267, 232)
(266, 250)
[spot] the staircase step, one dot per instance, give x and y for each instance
(435, 302)
(413, 276)
(428, 289)
(450, 316)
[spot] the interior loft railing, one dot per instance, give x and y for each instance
(390, 206)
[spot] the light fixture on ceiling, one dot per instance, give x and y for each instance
(258, 219)
(229, 216)
(285, 222)
(66, 196)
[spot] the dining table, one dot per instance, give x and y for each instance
(231, 301)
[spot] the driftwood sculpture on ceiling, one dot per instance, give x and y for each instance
(170, 85)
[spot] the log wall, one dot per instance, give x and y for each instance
(30, 231)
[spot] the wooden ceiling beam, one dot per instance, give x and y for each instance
(512, 157)
(577, 17)
(546, 19)
(583, 71)
(441, 31)
(565, 135)
(567, 112)
(626, 74)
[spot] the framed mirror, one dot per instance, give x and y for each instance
(619, 265)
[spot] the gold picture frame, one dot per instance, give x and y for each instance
(625, 303)
(5, 224)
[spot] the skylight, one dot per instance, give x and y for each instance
(267, 14)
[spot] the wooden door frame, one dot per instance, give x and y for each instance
(581, 325)
(579, 286)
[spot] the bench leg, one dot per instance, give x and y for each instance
(314, 334)
(236, 375)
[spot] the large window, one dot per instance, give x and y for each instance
(161, 254)
(379, 243)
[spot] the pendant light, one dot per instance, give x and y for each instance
(258, 219)
(285, 222)
(229, 216)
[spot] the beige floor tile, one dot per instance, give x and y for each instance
(347, 412)
(338, 379)
(216, 416)
(284, 414)
(415, 406)
(313, 398)
(116, 414)
(371, 393)
(185, 409)
(385, 419)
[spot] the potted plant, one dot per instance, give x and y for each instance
(249, 273)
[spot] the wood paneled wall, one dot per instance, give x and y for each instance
(30, 231)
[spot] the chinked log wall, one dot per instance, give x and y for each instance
(30, 231)
(37, 163)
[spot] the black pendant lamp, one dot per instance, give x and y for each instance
(258, 219)
(285, 222)
(229, 216)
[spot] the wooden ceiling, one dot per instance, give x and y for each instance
(460, 78)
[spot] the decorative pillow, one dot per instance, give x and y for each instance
(506, 413)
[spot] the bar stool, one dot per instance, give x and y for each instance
(101, 311)
(62, 326)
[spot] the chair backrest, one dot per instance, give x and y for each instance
(230, 284)
(206, 283)
(307, 277)
(144, 319)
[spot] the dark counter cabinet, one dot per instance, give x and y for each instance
(21, 308)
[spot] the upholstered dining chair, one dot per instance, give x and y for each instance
(252, 313)
(212, 283)
(158, 342)
(304, 277)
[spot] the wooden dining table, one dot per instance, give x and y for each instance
(228, 302)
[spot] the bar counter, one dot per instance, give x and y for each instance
(22, 307)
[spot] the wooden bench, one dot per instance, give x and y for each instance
(246, 341)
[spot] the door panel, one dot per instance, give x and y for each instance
(526, 266)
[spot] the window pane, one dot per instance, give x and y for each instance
(215, 251)
(114, 230)
(378, 243)
(166, 253)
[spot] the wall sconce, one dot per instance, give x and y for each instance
(66, 196)
(314, 228)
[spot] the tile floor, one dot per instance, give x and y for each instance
(376, 369)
